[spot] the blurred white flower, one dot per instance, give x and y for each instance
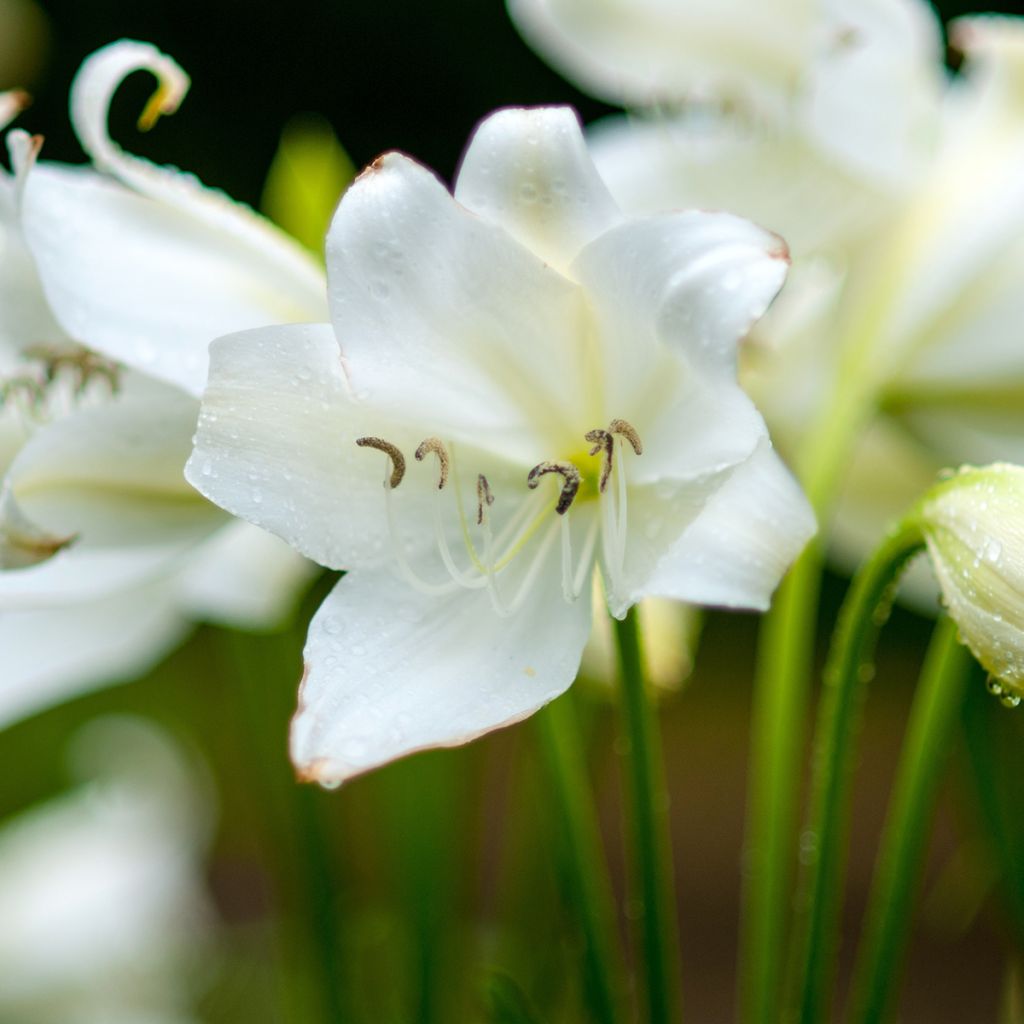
(566, 380)
(931, 305)
(105, 918)
(113, 282)
(974, 527)
(852, 81)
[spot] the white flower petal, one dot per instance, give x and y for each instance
(244, 577)
(705, 162)
(529, 171)
(276, 446)
(872, 98)
(428, 306)
(149, 285)
(389, 671)
(54, 654)
(696, 281)
(643, 51)
(740, 544)
(109, 481)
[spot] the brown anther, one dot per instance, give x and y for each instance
(602, 441)
(626, 430)
(435, 445)
(570, 475)
(396, 457)
(483, 497)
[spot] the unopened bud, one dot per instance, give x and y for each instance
(973, 524)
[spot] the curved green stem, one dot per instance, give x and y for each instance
(862, 614)
(933, 718)
(652, 849)
(587, 870)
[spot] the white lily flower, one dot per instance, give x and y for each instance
(545, 386)
(105, 914)
(112, 285)
(855, 78)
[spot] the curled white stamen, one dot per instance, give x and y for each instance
(464, 579)
(92, 91)
(405, 568)
(567, 573)
(621, 510)
(539, 558)
(583, 569)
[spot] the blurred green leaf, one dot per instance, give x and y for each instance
(308, 174)
(507, 1003)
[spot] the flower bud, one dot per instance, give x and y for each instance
(973, 524)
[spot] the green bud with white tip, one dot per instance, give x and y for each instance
(973, 524)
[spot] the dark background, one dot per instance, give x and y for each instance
(399, 74)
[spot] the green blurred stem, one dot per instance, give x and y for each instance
(781, 710)
(933, 719)
(299, 851)
(652, 849)
(587, 869)
(846, 674)
(779, 713)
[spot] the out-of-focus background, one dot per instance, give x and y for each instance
(442, 871)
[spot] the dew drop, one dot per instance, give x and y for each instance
(1010, 700)
(994, 686)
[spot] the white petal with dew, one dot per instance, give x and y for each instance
(147, 284)
(390, 671)
(276, 445)
(529, 171)
(694, 282)
(447, 321)
(740, 545)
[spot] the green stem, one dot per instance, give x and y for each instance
(846, 673)
(933, 719)
(781, 697)
(780, 712)
(587, 870)
(652, 849)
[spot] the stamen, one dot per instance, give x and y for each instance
(628, 431)
(582, 570)
(569, 473)
(483, 497)
(397, 458)
(540, 556)
(436, 446)
(602, 441)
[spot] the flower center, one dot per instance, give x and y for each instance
(528, 534)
